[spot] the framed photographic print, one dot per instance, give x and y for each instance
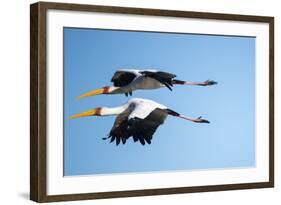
(135, 102)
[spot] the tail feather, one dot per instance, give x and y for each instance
(175, 81)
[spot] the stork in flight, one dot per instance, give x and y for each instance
(128, 80)
(138, 118)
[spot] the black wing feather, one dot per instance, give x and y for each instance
(122, 78)
(141, 130)
(112, 138)
(135, 138)
(163, 77)
(123, 140)
(118, 140)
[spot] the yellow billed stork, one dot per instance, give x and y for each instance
(128, 80)
(138, 118)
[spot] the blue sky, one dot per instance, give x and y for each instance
(91, 56)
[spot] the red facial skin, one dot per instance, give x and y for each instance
(98, 111)
(106, 90)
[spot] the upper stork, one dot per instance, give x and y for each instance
(138, 118)
(128, 80)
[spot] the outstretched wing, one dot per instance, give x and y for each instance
(119, 131)
(122, 78)
(140, 129)
(143, 129)
(163, 77)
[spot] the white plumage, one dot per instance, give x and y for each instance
(143, 107)
(135, 71)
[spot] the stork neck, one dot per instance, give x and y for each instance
(106, 111)
(118, 90)
(113, 90)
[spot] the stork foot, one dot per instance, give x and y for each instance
(209, 82)
(200, 120)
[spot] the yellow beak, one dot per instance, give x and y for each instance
(92, 93)
(86, 113)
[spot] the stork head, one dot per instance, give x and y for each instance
(101, 111)
(103, 90)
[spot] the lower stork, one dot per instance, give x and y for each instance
(128, 80)
(138, 118)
